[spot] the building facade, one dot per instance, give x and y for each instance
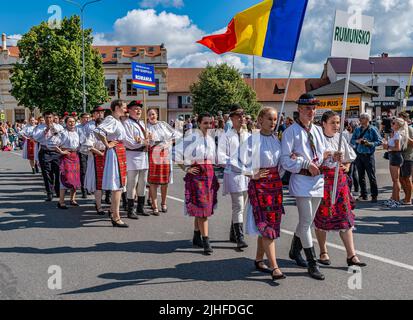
(383, 74)
(117, 62)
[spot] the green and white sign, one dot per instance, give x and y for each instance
(352, 36)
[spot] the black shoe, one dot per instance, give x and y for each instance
(116, 224)
(74, 204)
(277, 276)
(232, 234)
(140, 210)
(261, 269)
(62, 207)
(36, 168)
(149, 202)
(49, 197)
(197, 239)
(131, 214)
(295, 252)
(350, 263)
(374, 200)
(107, 197)
(164, 208)
(33, 171)
(100, 212)
(84, 195)
(207, 246)
(313, 269)
(324, 262)
(362, 198)
(239, 236)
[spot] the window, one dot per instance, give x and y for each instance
(134, 49)
(376, 88)
(115, 55)
(279, 90)
(111, 86)
(19, 115)
(131, 91)
(156, 92)
(184, 101)
(391, 90)
(151, 49)
(104, 55)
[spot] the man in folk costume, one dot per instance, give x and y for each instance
(80, 128)
(137, 159)
(49, 158)
(235, 182)
(303, 152)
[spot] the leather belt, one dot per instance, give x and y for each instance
(141, 149)
(305, 172)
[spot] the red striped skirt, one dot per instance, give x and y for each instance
(70, 171)
(201, 192)
(266, 199)
(122, 165)
(336, 217)
(99, 168)
(30, 149)
(159, 166)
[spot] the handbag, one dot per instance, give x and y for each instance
(386, 155)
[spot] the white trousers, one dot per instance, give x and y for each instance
(239, 201)
(307, 208)
(136, 183)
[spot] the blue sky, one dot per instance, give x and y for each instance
(179, 23)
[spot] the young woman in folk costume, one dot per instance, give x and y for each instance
(337, 217)
(112, 133)
(198, 152)
(265, 191)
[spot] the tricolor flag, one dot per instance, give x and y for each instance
(270, 29)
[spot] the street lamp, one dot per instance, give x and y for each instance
(82, 9)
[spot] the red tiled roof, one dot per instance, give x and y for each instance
(376, 64)
(109, 51)
(180, 79)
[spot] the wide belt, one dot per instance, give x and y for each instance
(141, 149)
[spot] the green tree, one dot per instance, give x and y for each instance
(220, 86)
(49, 74)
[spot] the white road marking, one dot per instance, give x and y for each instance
(335, 246)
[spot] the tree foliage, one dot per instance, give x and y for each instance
(49, 74)
(220, 86)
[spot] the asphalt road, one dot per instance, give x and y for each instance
(154, 259)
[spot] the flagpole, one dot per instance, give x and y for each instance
(285, 96)
(343, 116)
(407, 96)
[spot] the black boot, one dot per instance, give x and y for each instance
(140, 210)
(84, 195)
(313, 268)
(295, 252)
(107, 197)
(232, 234)
(207, 246)
(33, 171)
(125, 201)
(36, 168)
(239, 236)
(131, 214)
(197, 240)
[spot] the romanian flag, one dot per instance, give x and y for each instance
(270, 29)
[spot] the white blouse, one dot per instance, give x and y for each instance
(162, 132)
(112, 129)
(27, 131)
(332, 145)
(263, 152)
(66, 140)
(196, 148)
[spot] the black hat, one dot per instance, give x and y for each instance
(308, 100)
(135, 103)
(98, 109)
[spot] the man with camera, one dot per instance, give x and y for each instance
(366, 138)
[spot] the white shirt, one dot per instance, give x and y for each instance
(392, 141)
(332, 145)
(135, 160)
(112, 129)
(27, 131)
(295, 141)
(39, 134)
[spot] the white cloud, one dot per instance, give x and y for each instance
(164, 3)
(392, 34)
(13, 38)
